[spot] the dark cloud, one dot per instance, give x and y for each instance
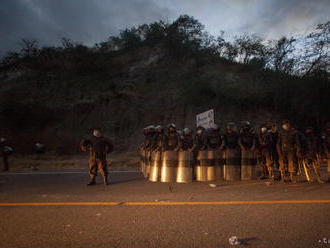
(90, 21)
(85, 21)
(275, 18)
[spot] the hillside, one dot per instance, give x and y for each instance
(56, 95)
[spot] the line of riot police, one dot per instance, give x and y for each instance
(171, 155)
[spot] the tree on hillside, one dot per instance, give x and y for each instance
(29, 48)
(248, 47)
(130, 38)
(155, 32)
(317, 50)
(282, 57)
(184, 36)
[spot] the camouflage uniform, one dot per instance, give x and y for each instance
(158, 140)
(200, 141)
(186, 142)
(98, 148)
(199, 144)
(171, 142)
(288, 146)
(143, 154)
(247, 143)
(265, 146)
(326, 148)
(156, 154)
(273, 151)
(231, 156)
(148, 146)
(214, 140)
(310, 151)
(5, 154)
(171, 139)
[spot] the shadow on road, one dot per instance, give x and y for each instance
(126, 180)
(246, 241)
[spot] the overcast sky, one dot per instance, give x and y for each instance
(91, 21)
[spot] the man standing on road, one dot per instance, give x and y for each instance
(274, 136)
(187, 141)
(157, 143)
(150, 139)
(199, 140)
(265, 146)
(288, 148)
(214, 140)
(99, 146)
(247, 141)
(232, 156)
(199, 144)
(310, 148)
(274, 155)
(171, 140)
(5, 152)
(145, 138)
(326, 147)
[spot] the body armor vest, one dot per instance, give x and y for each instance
(231, 140)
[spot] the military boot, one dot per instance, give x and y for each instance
(271, 174)
(91, 181)
(105, 180)
(263, 174)
(293, 177)
(317, 174)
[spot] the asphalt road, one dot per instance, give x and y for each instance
(258, 213)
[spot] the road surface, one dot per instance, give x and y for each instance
(57, 209)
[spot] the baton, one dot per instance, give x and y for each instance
(306, 171)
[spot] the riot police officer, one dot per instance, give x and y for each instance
(171, 140)
(310, 153)
(158, 139)
(265, 149)
(98, 146)
(326, 147)
(231, 137)
(145, 139)
(274, 137)
(187, 141)
(150, 137)
(199, 140)
(151, 133)
(199, 144)
(247, 138)
(214, 140)
(5, 151)
(143, 152)
(232, 167)
(288, 148)
(247, 143)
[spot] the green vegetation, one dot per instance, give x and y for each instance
(160, 73)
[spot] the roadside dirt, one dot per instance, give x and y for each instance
(49, 161)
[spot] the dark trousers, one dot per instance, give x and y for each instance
(195, 163)
(265, 161)
(289, 159)
(274, 158)
(5, 163)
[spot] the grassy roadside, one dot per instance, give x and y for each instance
(50, 161)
